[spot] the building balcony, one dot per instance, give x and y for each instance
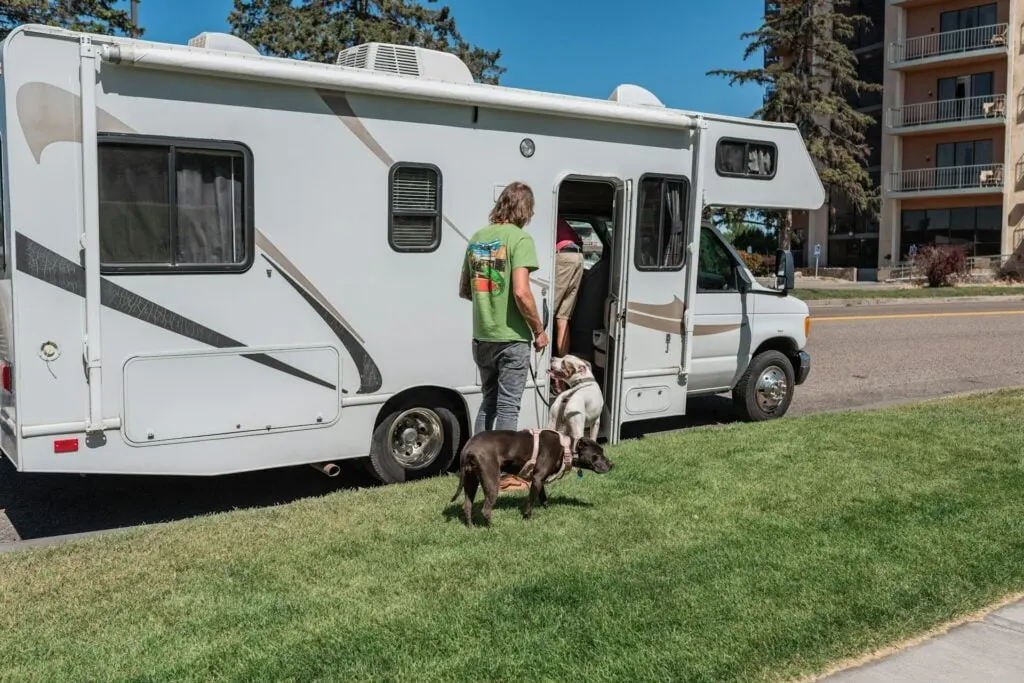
(945, 181)
(966, 45)
(959, 114)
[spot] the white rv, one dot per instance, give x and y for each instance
(215, 261)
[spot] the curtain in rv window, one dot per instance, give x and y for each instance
(168, 208)
(661, 221)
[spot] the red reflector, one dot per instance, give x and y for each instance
(5, 374)
(65, 446)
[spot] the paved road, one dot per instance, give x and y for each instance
(862, 356)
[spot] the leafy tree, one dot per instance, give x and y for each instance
(809, 73)
(92, 16)
(317, 30)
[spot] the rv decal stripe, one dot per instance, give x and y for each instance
(370, 380)
(39, 262)
(339, 105)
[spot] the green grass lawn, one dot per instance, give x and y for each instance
(747, 552)
(908, 293)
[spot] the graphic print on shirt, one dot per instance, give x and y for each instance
(487, 261)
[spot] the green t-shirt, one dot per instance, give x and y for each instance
(490, 257)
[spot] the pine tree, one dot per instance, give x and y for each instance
(809, 74)
(317, 30)
(92, 16)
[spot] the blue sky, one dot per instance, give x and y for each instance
(665, 46)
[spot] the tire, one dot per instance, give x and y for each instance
(389, 465)
(766, 370)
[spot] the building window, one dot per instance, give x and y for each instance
(970, 153)
(414, 201)
(174, 205)
(970, 28)
(746, 158)
(661, 222)
(979, 229)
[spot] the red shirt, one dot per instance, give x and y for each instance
(564, 234)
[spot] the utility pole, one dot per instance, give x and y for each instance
(135, 18)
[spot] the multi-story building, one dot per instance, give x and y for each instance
(948, 145)
(953, 140)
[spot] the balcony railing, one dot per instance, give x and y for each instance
(947, 178)
(949, 43)
(948, 111)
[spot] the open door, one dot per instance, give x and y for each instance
(616, 314)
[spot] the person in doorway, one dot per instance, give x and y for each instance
(568, 273)
(496, 279)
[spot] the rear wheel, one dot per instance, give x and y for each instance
(414, 441)
(765, 390)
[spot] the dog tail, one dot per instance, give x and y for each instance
(462, 473)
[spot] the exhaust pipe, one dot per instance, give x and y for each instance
(328, 468)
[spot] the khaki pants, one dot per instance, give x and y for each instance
(568, 273)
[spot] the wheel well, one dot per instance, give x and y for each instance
(784, 345)
(427, 396)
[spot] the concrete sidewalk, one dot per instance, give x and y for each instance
(988, 650)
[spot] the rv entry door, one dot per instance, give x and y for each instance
(616, 322)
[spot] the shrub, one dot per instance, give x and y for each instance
(942, 266)
(1011, 271)
(759, 265)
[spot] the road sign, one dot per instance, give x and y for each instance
(750, 249)
(913, 250)
(817, 250)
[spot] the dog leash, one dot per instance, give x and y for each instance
(536, 385)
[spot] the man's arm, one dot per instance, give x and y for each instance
(523, 296)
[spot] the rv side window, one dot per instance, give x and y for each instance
(661, 223)
(414, 206)
(174, 205)
(746, 158)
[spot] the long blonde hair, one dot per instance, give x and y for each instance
(514, 205)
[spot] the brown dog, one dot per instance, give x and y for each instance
(488, 454)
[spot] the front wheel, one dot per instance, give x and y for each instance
(765, 390)
(413, 442)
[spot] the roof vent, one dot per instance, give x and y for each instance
(225, 42)
(403, 60)
(634, 94)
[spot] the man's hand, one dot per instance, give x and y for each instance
(540, 342)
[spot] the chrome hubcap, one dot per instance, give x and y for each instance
(416, 438)
(771, 389)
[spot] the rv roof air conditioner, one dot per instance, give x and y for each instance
(225, 42)
(406, 61)
(634, 94)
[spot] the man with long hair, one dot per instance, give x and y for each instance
(496, 278)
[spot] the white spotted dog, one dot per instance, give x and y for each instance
(577, 409)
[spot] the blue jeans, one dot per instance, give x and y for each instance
(503, 370)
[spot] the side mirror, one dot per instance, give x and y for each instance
(785, 279)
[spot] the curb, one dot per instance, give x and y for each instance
(907, 301)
